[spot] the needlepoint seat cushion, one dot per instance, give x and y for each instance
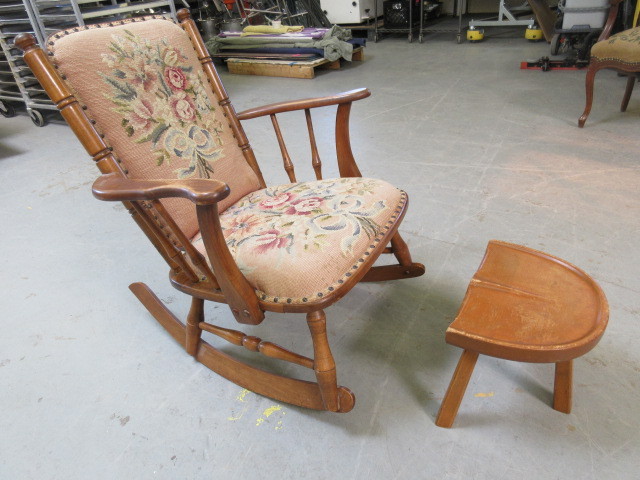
(297, 242)
(623, 47)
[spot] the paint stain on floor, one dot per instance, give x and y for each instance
(237, 414)
(484, 395)
(267, 413)
(241, 397)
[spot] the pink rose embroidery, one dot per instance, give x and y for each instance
(175, 78)
(304, 206)
(277, 201)
(183, 107)
(271, 239)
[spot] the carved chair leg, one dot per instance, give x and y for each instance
(631, 81)
(193, 330)
(589, 80)
(457, 387)
(323, 363)
(562, 388)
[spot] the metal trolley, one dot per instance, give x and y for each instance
(420, 27)
(17, 84)
(436, 28)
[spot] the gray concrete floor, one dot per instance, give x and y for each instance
(92, 387)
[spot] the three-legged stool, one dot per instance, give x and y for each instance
(526, 306)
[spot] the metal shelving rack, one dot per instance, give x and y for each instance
(15, 80)
(42, 18)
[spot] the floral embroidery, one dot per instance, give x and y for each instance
(303, 215)
(163, 101)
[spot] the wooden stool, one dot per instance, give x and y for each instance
(527, 306)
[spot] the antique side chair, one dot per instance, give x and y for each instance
(145, 100)
(619, 52)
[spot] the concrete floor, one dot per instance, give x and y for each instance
(92, 387)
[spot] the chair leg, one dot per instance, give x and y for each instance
(589, 80)
(562, 388)
(323, 363)
(405, 268)
(193, 330)
(631, 81)
(323, 395)
(457, 387)
(400, 250)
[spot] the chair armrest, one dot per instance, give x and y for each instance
(239, 295)
(114, 187)
(345, 97)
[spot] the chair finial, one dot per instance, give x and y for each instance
(183, 14)
(25, 41)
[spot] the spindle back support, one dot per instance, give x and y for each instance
(346, 162)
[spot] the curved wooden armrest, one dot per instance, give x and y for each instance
(611, 19)
(240, 296)
(113, 187)
(345, 97)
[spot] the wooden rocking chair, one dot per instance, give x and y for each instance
(144, 98)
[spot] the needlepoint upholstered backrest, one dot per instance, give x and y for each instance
(143, 86)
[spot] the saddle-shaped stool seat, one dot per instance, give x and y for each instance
(527, 306)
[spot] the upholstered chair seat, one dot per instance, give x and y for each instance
(623, 47)
(297, 243)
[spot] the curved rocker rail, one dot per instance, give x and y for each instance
(284, 389)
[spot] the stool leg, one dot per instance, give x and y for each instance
(562, 386)
(457, 387)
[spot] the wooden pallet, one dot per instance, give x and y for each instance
(277, 68)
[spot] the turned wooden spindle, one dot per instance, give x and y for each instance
(189, 26)
(315, 156)
(255, 344)
(286, 159)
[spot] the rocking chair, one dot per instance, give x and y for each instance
(144, 98)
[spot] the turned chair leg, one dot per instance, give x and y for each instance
(562, 388)
(589, 80)
(193, 330)
(631, 81)
(400, 250)
(323, 363)
(457, 387)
